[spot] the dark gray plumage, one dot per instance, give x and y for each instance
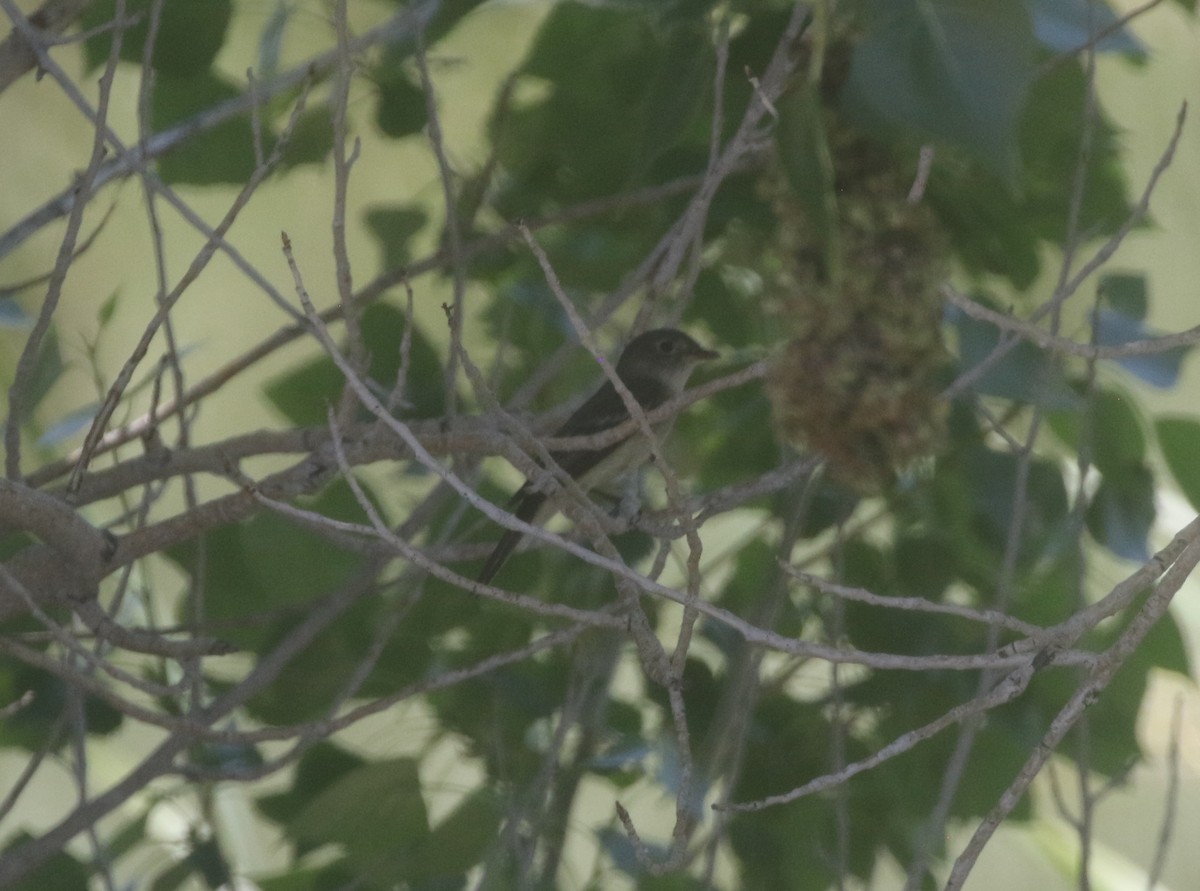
(654, 367)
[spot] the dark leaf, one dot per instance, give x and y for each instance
(676, 91)
(311, 139)
(375, 813)
(43, 721)
(305, 394)
(396, 228)
(47, 370)
(1118, 442)
(317, 770)
(996, 228)
(804, 152)
(59, 872)
(1025, 374)
(1121, 513)
(268, 567)
(1125, 292)
(222, 154)
(401, 109)
(190, 34)
(460, 841)
(957, 70)
(1179, 441)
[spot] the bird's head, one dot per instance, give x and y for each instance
(666, 354)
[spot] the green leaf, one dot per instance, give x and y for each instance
(677, 89)
(446, 15)
(222, 154)
(268, 565)
(550, 148)
(376, 813)
(957, 70)
(1179, 440)
(921, 570)
(39, 724)
(1125, 292)
(1161, 370)
(396, 228)
(205, 860)
(311, 139)
(47, 370)
(529, 318)
(723, 300)
(731, 436)
(990, 480)
(401, 109)
(1048, 593)
(1025, 374)
(319, 767)
(996, 228)
(1121, 512)
(59, 872)
(270, 41)
(190, 34)
(107, 309)
(1165, 648)
(304, 395)
(754, 568)
(299, 880)
(460, 841)
(1117, 439)
(804, 153)
(128, 837)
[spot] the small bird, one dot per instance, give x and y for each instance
(654, 367)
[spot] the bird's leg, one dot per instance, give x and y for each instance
(621, 498)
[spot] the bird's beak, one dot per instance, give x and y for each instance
(703, 355)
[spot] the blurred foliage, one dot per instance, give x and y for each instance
(814, 250)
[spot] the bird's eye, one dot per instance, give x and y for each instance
(666, 346)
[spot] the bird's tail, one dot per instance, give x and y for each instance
(526, 508)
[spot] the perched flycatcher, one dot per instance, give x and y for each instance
(654, 368)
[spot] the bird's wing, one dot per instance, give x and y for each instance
(603, 410)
